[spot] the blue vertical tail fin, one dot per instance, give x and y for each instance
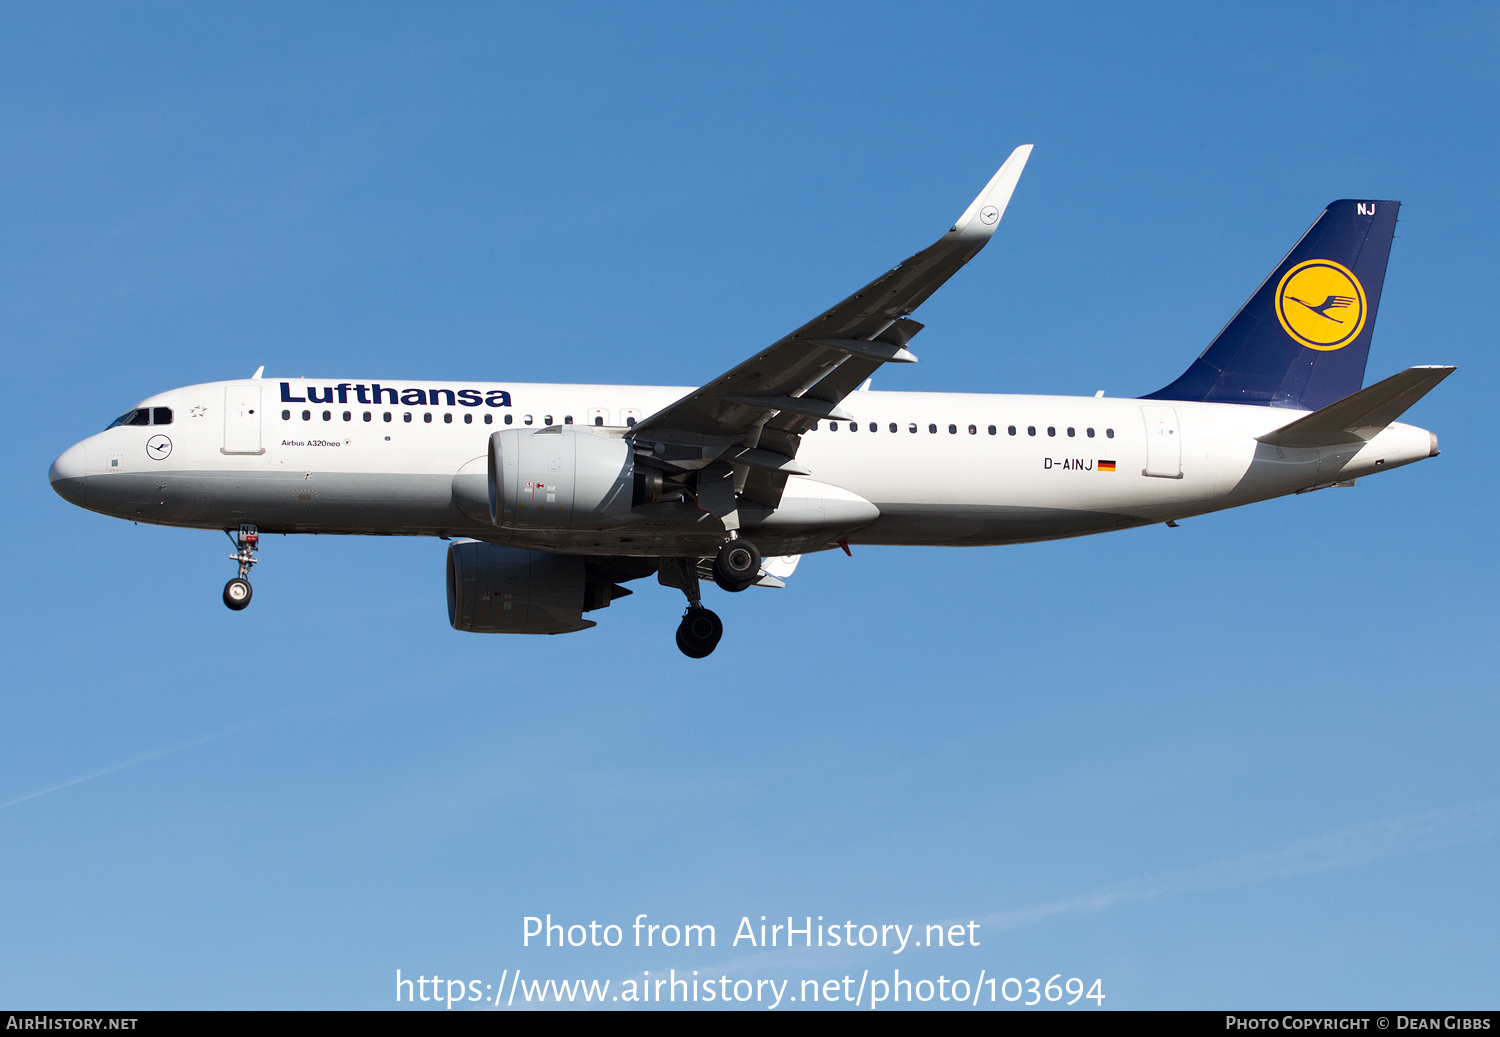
(1302, 339)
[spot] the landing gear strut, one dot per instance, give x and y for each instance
(699, 632)
(737, 565)
(237, 591)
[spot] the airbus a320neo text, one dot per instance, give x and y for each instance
(553, 497)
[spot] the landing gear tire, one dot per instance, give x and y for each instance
(737, 565)
(237, 593)
(698, 634)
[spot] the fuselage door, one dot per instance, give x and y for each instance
(242, 419)
(1163, 442)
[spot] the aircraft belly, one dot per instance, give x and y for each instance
(977, 525)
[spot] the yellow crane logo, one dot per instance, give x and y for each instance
(1321, 304)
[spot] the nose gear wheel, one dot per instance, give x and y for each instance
(237, 592)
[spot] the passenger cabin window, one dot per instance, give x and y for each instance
(973, 430)
(1010, 430)
(913, 428)
(1051, 431)
(992, 430)
(1109, 433)
(406, 416)
(526, 420)
(932, 430)
(448, 419)
(468, 419)
(367, 415)
(348, 416)
(286, 415)
(1090, 432)
(547, 420)
(893, 426)
(387, 415)
(952, 430)
(1071, 433)
(874, 427)
(508, 418)
(853, 426)
(567, 419)
(1031, 430)
(489, 419)
(307, 415)
(427, 418)
(833, 426)
(328, 415)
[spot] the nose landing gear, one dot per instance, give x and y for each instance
(237, 591)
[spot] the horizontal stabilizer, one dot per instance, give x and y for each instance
(1362, 415)
(783, 566)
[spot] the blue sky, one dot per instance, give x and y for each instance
(1246, 762)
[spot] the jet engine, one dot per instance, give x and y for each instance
(507, 590)
(561, 478)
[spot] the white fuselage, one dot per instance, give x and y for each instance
(938, 468)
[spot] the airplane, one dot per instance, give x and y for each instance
(552, 496)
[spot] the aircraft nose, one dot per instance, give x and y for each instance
(66, 475)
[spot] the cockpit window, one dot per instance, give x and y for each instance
(140, 416)
(161, 415)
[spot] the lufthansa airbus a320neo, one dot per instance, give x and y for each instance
(554, 496)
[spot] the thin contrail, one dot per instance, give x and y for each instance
(1343, 848)
(154, 754)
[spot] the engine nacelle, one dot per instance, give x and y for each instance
(507, 590)
(560, 478)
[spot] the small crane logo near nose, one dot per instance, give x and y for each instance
(158, 447)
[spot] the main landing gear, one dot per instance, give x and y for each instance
(238, 590)
(699, 632)
(735, 567)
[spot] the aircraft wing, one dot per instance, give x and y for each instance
(753, 416)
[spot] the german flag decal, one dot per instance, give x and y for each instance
(1106, 466)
